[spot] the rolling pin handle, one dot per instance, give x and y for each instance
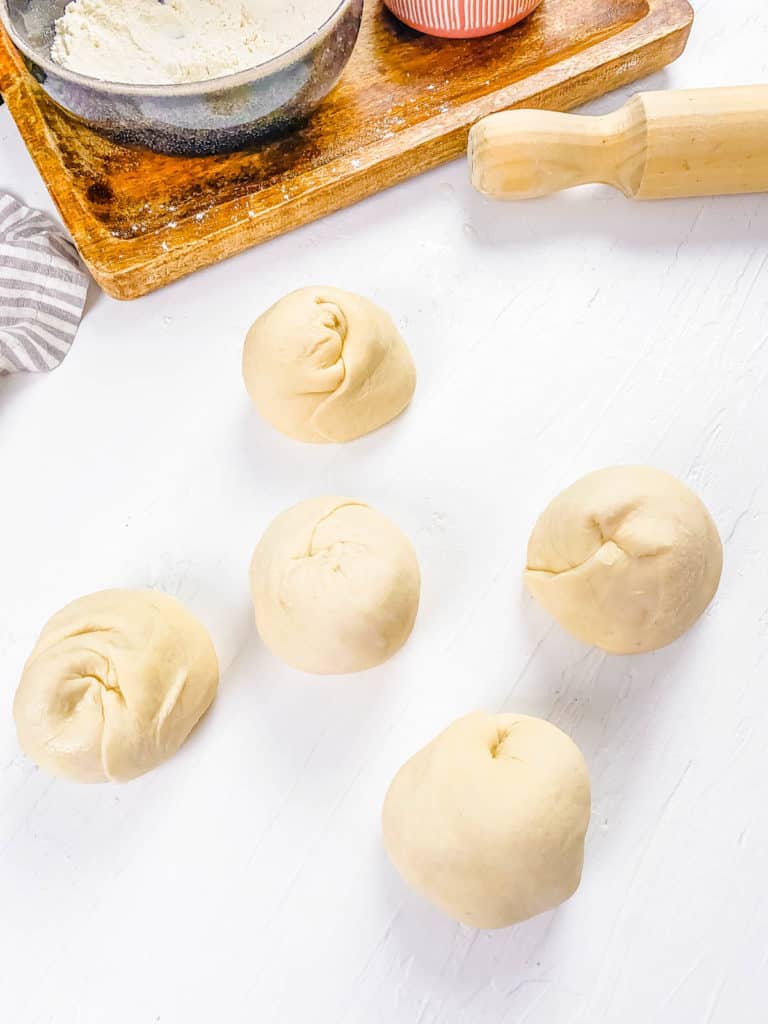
(660, 145)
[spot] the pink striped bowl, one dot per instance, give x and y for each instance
(461, 19)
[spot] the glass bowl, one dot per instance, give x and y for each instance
(196, 118)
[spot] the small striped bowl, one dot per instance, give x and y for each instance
(461, 19)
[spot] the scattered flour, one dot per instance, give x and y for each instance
(161, 42)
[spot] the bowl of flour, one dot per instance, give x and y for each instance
(186, 76)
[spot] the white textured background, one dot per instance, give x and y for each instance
(245, 880)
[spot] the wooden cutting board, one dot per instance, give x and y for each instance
(404, 105)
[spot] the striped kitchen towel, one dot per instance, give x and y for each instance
(42, 290)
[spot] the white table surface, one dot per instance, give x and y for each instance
(245, 880)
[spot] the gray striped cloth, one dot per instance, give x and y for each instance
(42, 290)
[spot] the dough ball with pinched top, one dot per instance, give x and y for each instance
(114, 685)
(335, 586)
(324, 365)
(627, 559)
(488, 820)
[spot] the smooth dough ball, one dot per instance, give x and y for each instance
(627, 559)
(115, 684)
(325, 365)
(335, 586)
(488, 820)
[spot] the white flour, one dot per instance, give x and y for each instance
(154, 42)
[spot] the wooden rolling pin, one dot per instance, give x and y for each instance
(659, 145)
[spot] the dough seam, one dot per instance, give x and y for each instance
(345, 504)
(341, 332)
(170, 701)
(329, 394)
(573, 568)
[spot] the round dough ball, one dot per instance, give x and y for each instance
(488, 820)
(335, 586)
(115, 684)
(627, 559)
(325, 365)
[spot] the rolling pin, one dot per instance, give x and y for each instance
(659, 145)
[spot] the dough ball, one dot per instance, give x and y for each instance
(325, 365)
(488, 820)
(335, 586)
(627, 559)
(115, 684)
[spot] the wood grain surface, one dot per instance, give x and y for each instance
(404, 105)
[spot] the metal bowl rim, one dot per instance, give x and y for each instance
(209, 85)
